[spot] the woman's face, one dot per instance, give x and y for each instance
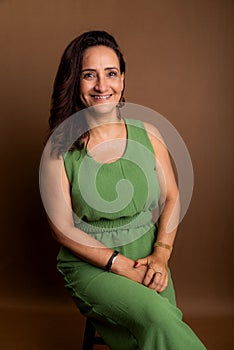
(101, 80)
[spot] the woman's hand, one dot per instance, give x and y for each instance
(126, 267)
(156, 276)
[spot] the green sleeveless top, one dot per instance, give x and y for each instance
(113, 202)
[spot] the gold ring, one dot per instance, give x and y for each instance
(159, 272)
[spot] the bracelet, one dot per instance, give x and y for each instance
(163, 245)
(111, 260)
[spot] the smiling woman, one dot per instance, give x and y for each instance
(99, 192)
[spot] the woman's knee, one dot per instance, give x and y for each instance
(157, 311)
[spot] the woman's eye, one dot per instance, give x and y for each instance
(112, 74)
(89, 75)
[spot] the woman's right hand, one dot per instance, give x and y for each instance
(124, 266)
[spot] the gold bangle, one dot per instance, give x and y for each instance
(163, 245)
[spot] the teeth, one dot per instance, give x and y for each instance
(102, 97)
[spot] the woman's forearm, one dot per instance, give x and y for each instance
(94, 252)
(167, 228)
(82, 244)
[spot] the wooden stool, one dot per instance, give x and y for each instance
(90, 339)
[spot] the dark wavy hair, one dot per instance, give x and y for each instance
(66, 90)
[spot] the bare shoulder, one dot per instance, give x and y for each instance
(154, 135)
(160, 147)
(50, 151)
(51, 164)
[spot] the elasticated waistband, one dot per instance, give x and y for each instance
(105, 225)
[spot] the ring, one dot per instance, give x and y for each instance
(159, 272)
(150, 268)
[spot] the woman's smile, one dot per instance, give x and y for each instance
(101, 97)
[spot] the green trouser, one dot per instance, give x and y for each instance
(127, 314)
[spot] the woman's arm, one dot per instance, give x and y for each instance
(169, 219)
(55, 193)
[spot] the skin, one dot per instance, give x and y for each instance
(100, 76)
(101, 87)
(102, 82)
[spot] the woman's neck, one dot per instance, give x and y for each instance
(108, 130)
(103, 126)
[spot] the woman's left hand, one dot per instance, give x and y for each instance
(156, 276)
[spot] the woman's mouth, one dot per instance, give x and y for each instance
(101, 97)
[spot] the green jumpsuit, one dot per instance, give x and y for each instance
(113, 202)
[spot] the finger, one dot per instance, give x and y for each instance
(158, 282)
(164, 285)
(141, 262)
(149, 277)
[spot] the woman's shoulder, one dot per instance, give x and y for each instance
(134, 122)
(153, 134)
(151, 130)
(72, 155)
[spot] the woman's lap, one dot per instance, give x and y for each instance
(101, 294)
(123, 311)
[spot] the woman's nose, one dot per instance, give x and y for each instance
(101, 84)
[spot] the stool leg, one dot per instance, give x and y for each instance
(89, 336)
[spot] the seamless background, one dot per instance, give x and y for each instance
(179, 58)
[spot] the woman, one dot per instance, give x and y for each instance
(101, 178)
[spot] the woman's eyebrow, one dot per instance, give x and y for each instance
(94, 70)
(108, 68)
(88, 69)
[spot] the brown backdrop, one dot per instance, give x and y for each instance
(180, 63)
